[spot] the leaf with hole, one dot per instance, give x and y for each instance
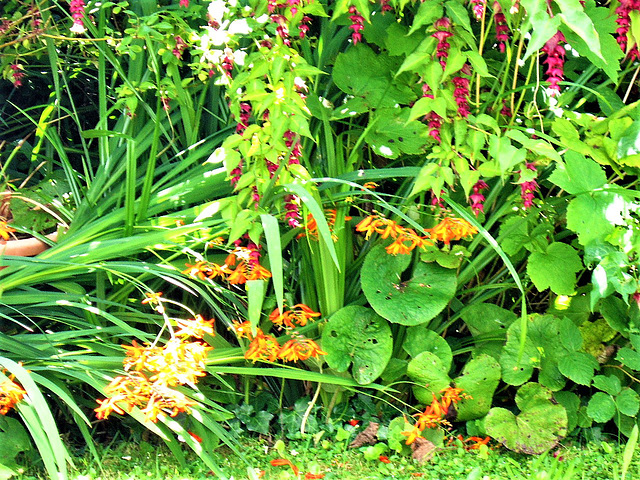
(408, 302)
(357, 335)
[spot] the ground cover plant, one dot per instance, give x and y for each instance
(257, 208)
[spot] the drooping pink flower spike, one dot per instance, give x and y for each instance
(357, 24)
(76, 7)
(555, 61)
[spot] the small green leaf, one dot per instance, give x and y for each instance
(578, 367)
(628, 402)
(609, 384)
(601, 407)
(419, 339)
(629, 358)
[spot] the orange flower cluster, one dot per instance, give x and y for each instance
(265, 347)
(473, 443)
(300, 315)
(404, 239)
(247, 268)
(153, 372)
(311, 226)
(451, 228)
(10, 394)
(435, 413)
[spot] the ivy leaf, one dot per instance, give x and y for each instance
(578, 174)
(555, 269)
(601, 407)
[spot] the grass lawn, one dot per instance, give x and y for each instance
(133, 461)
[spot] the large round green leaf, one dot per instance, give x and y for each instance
(355, 334)
(412, 302)
(479, 380)
(539, 427)
(430, 374)
(419, 339)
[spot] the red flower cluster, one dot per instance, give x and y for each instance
(477, 198)
(502, 29)
(236, 173)
(434, 122)
(357, 24)
(245, 114)
(555, 61)
(179, 48)
(478, 8)
(292, 141)
(76, 8)
(17, 74)
(528, 189)
(461, 92)
(292, 208)
(443, 32)
(624, 22)
(304, 26)
(385, 6)
(227, 62)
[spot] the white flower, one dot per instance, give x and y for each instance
(239, 27)
(78, 28)
(216, 10)
(216, 37)
(239, 56)
(264, 18)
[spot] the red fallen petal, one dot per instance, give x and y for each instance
(384, 459)
(353, 422)
(195, 437)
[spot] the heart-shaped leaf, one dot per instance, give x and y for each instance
(355, 334)
(410, 302)
(538, 427)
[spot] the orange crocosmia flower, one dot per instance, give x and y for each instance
(281, 462)
(258, 272)
(200, 270)
(398, 247)
(163, 400)
(412, 434)
(451, 228)
(180, 363)
(284, 320)
(371, 185)
(137, 356)
(10, 394)
(5, 230)
(299, 349)
(263, 347)
(384, 459)
(239, 275)
(303, 313)
(216, 242)
(195, 328)
(242, 329)
(151, 298)
(451, 395)
(478, 441)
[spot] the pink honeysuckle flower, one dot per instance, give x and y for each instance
(76, 7)
(555, 61)
(477, 198)
(502, 29)
(357, 24)
(461, 92)
(478, 8)
(17, 75)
